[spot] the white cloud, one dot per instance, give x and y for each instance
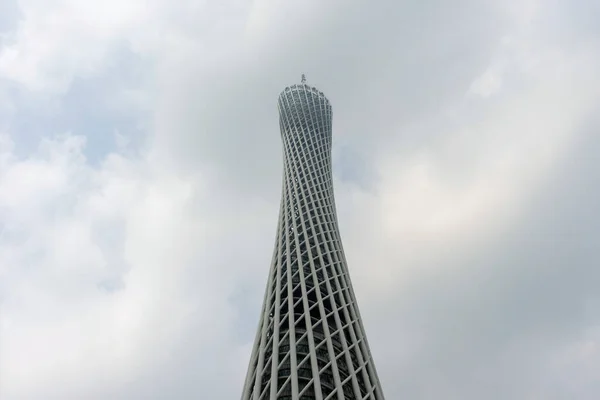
(82, 303)
(60, 40)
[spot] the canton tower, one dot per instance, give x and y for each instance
(311, 343)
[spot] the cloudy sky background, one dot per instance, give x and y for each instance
(140, 172)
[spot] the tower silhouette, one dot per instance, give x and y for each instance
(310, 343)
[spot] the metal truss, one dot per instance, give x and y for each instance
(311, 343)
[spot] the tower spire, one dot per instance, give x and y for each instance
(303, 79)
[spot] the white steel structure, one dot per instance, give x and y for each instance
(311, 343)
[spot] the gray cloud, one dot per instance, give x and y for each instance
(466, 182)
(494, 324)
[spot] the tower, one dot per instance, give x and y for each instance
(311, 343)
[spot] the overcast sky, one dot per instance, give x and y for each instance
(140, 173)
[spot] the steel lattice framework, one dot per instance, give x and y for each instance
(311, 343)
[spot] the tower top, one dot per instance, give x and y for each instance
(303, 79)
